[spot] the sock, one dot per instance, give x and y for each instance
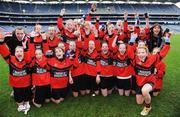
(147, 105)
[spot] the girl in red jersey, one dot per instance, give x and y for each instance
(123, 68)
(144, 66)
(52, 38)
(60, 74)
(111, 34)
(105, 78)
(40, 79)
(67, 31)
(74, 53)
(38, 41)
(89, 32)
(19, 78)
(91, 64)
(159, 72)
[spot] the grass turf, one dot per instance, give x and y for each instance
(167, 104)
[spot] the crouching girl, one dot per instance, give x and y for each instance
(19, 76)
(60, 74)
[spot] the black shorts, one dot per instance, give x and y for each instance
(90, 83)
(133, 83)
(107, 82)
(139, 89)
(78, 82)
(22, 94)
(42, 93)
(123, 83)
(59, 93)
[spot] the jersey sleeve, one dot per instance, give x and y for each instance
(4, 51)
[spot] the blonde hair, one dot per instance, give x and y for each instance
(19, 47)
(143, 47)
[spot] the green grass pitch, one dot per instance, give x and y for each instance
(167, 104)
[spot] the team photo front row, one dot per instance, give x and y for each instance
(89, 61)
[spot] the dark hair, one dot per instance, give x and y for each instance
(153, 38)
(152, 33)
(18, 28)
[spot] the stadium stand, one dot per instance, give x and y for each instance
(28, 14)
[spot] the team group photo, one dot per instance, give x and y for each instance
(89, 58)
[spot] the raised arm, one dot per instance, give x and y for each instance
(137, 23)
(125, 22)
(60, 20)
(164, 51)
(147, 20)
(4, 51)
(114, 41)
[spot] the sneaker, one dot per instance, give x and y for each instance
(27, 105)
(26, 110)
(145, 111)
(21, 108)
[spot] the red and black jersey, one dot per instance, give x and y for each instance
(53, 43)
(123, 35)
(40, 73)
(4, 51)
(66, 35)
(19, 70)
(19, 73)
(91, 63)
(161, 68)
(78, 60)
(145, 70)
(110, 39)
(59, 72)
(122, 63)
(106, 64)
(78, 64)
(38, 43)
(164, 51)
(86, 38)
(137, 30)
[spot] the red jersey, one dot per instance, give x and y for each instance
(110, 39)
(78, 64)
(161, 68)
(53, 43)
(145, 70)
(19, 70)
(59, 72)
(123, 67)
(91, 63)
(87, 38)
(37, 43)
(40, 73)
(4, 51)
(123, 35)
(66, 35)
(106, 64)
